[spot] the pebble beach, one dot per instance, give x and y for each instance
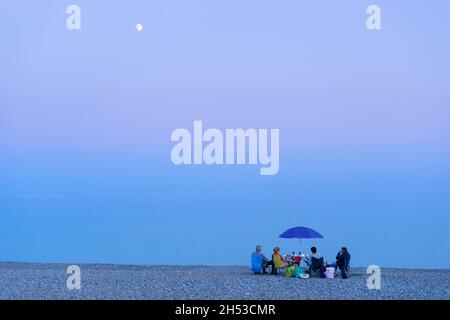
(123, 282)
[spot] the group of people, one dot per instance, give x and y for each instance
(313, 263)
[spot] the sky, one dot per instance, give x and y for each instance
(86, 117)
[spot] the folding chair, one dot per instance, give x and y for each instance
(317, 267)
(278, 264)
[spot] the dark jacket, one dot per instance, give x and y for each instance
(342, 259)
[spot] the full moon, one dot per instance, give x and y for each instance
(139, 27)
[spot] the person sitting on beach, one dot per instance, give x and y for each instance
(343, 262)
(277, 261)
(259, 261)
(316, 263)
(307, 260)
(314, 253)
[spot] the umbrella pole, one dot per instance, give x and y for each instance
(300, 245)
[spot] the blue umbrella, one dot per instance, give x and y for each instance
(300, 233)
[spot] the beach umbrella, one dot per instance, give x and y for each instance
(300, 233)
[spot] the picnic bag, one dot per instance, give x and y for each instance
(299, 272)
(290, 271)
(329, 272)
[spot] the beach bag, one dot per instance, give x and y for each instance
(299, 272)
(330, 272)
(290, 271)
